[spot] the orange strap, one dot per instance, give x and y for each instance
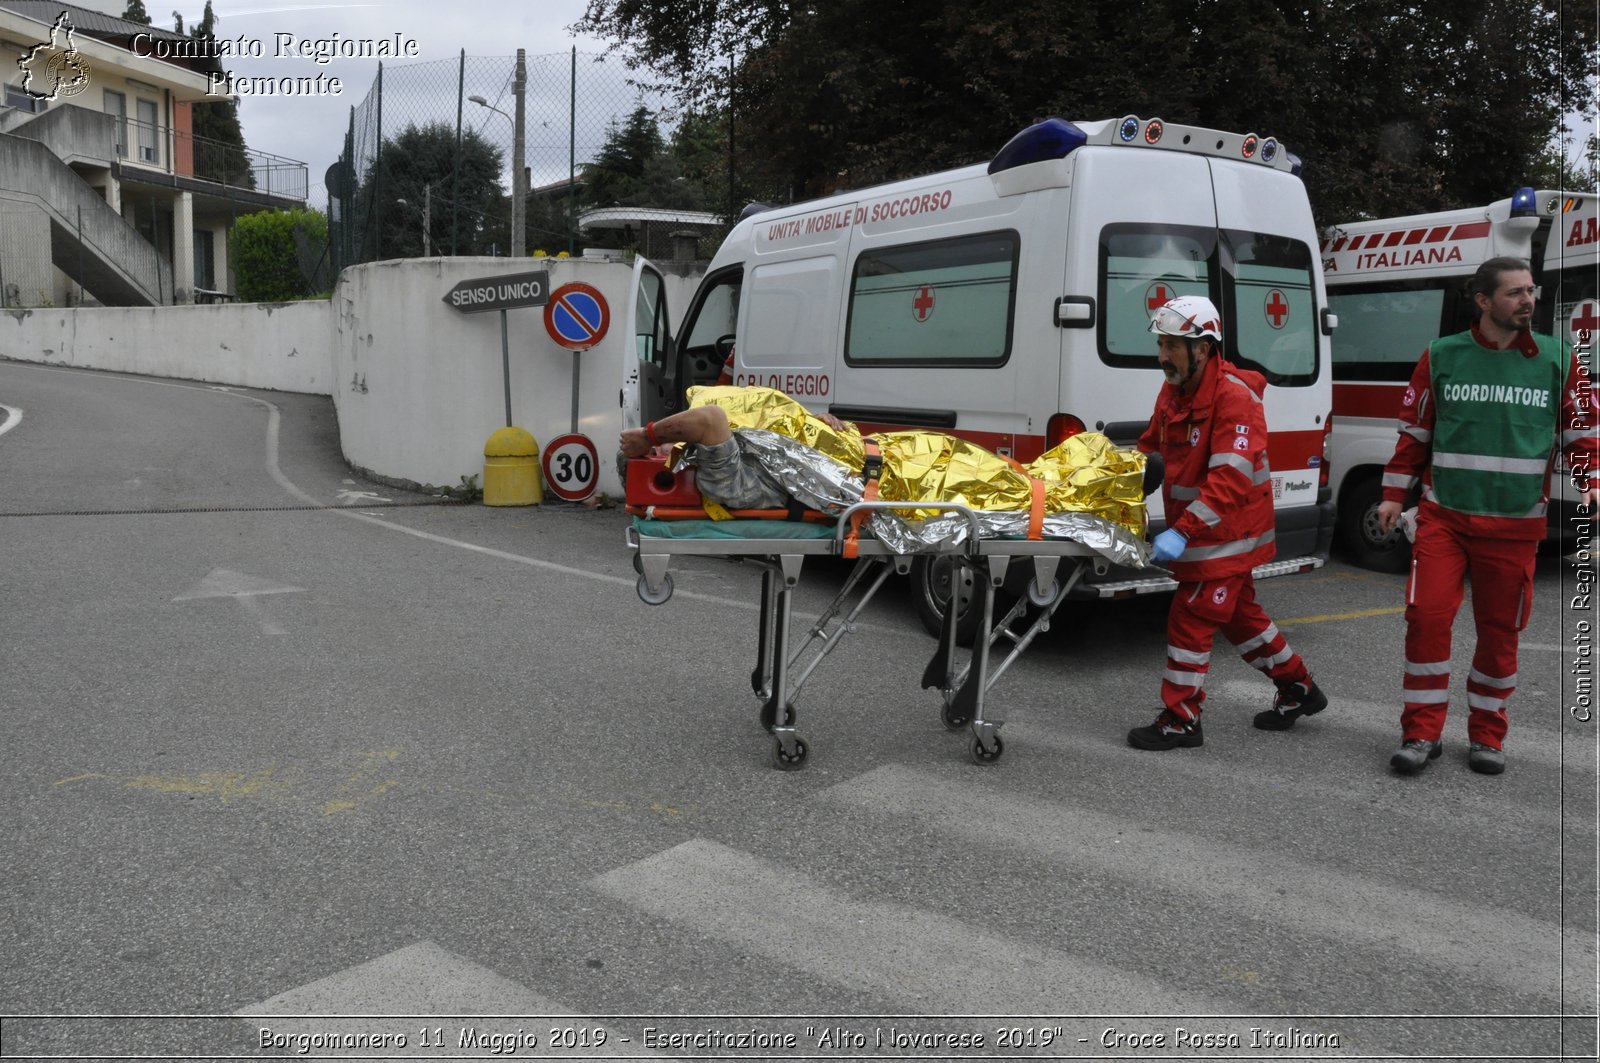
(1036, 510)
(1035, 503)
(852, 539)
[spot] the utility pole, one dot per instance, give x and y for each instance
(427, 220)
(519, 182)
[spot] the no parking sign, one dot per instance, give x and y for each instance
(577, 316)
(571, 467)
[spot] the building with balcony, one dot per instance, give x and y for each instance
(106, 194)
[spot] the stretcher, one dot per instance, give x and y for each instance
(780, 548)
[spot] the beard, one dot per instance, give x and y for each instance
(1513, 322)
(1174, 377)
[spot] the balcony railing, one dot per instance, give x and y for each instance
(78, 134)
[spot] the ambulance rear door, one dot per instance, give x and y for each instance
(1276, 311)
(1143, 230)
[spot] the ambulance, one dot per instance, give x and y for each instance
(1008, 302)
(1397, 284)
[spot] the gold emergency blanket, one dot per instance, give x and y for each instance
(757, 407)
(1094, 491)
(1083, 474)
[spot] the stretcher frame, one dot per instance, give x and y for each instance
(979, 568)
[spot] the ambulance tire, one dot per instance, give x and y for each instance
(930, 588)
(1359, 533)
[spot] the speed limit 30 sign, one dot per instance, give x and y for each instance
(571, 467)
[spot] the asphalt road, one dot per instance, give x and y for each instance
(297, 764)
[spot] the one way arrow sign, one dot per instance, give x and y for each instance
(500, 293)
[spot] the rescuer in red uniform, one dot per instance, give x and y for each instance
(1485, 412)
(1211, 430)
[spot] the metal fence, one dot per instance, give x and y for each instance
(411, 176)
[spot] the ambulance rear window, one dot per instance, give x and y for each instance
(941, 302)
(1141, 267)
(1273, 310)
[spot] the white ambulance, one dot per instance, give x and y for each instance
(1008, 303)
(1397, 284)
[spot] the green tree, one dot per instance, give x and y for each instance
(1393, 108)
(219, 146)
(266, 251)
(418, 165)
(135, 12)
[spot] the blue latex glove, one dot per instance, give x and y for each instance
(1168, 545)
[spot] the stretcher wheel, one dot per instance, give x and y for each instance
(638, 566)
(954, 718)
(650, 597)
(980, 755)
(1043, 600)
(769, 716)
(785, 761)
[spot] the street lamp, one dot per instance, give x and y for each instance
(517, 191)
(427, 218)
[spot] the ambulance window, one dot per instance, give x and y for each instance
(1382, 332)
(713, 316)
(1141, 267)
(944, 302)
(1273, 311)
(650, 319)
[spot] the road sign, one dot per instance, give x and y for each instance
(577, 316)
(571, 467)
(500, 293)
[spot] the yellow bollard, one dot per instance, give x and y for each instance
(511, 469)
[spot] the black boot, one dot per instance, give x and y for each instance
(1294, 700)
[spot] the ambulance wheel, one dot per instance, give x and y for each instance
(785, 761)
(1359, 532)
(981, 755)
(931, 584)
(650, 597)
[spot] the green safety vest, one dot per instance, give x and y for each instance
(1494, 424)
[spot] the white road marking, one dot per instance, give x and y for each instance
(13, 418)
(1490, 941)
(222, 583)
(934, 963)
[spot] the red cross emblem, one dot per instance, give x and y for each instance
(1156, 296)
(922, 305)
(1277, 309)
(1585, 318)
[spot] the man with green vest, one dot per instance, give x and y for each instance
(1483, 415)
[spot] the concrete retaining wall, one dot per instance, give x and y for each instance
(278, 346)
(417, 384)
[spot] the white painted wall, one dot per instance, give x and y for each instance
(278, 346)
(417, 384)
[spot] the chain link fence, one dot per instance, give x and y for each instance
(427, 163)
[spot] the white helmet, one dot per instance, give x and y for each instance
(1190, 316)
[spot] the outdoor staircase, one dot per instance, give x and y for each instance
(89, 241)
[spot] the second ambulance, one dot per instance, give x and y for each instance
(1396, 285)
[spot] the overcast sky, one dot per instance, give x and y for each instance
(311, 129)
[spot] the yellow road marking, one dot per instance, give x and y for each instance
(1360, 614)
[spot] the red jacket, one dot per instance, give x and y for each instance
(1412, 461)
(1217, 488)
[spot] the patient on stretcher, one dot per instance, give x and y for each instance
(727, 474)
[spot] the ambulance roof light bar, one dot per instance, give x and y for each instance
(1056, 138)
(1524, 203)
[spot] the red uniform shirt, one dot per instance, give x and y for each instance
(1217, 488)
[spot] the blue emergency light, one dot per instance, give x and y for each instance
(1053, 138)
(1524, 204)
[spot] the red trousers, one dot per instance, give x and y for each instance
(1502, 598)
(1199, 611)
